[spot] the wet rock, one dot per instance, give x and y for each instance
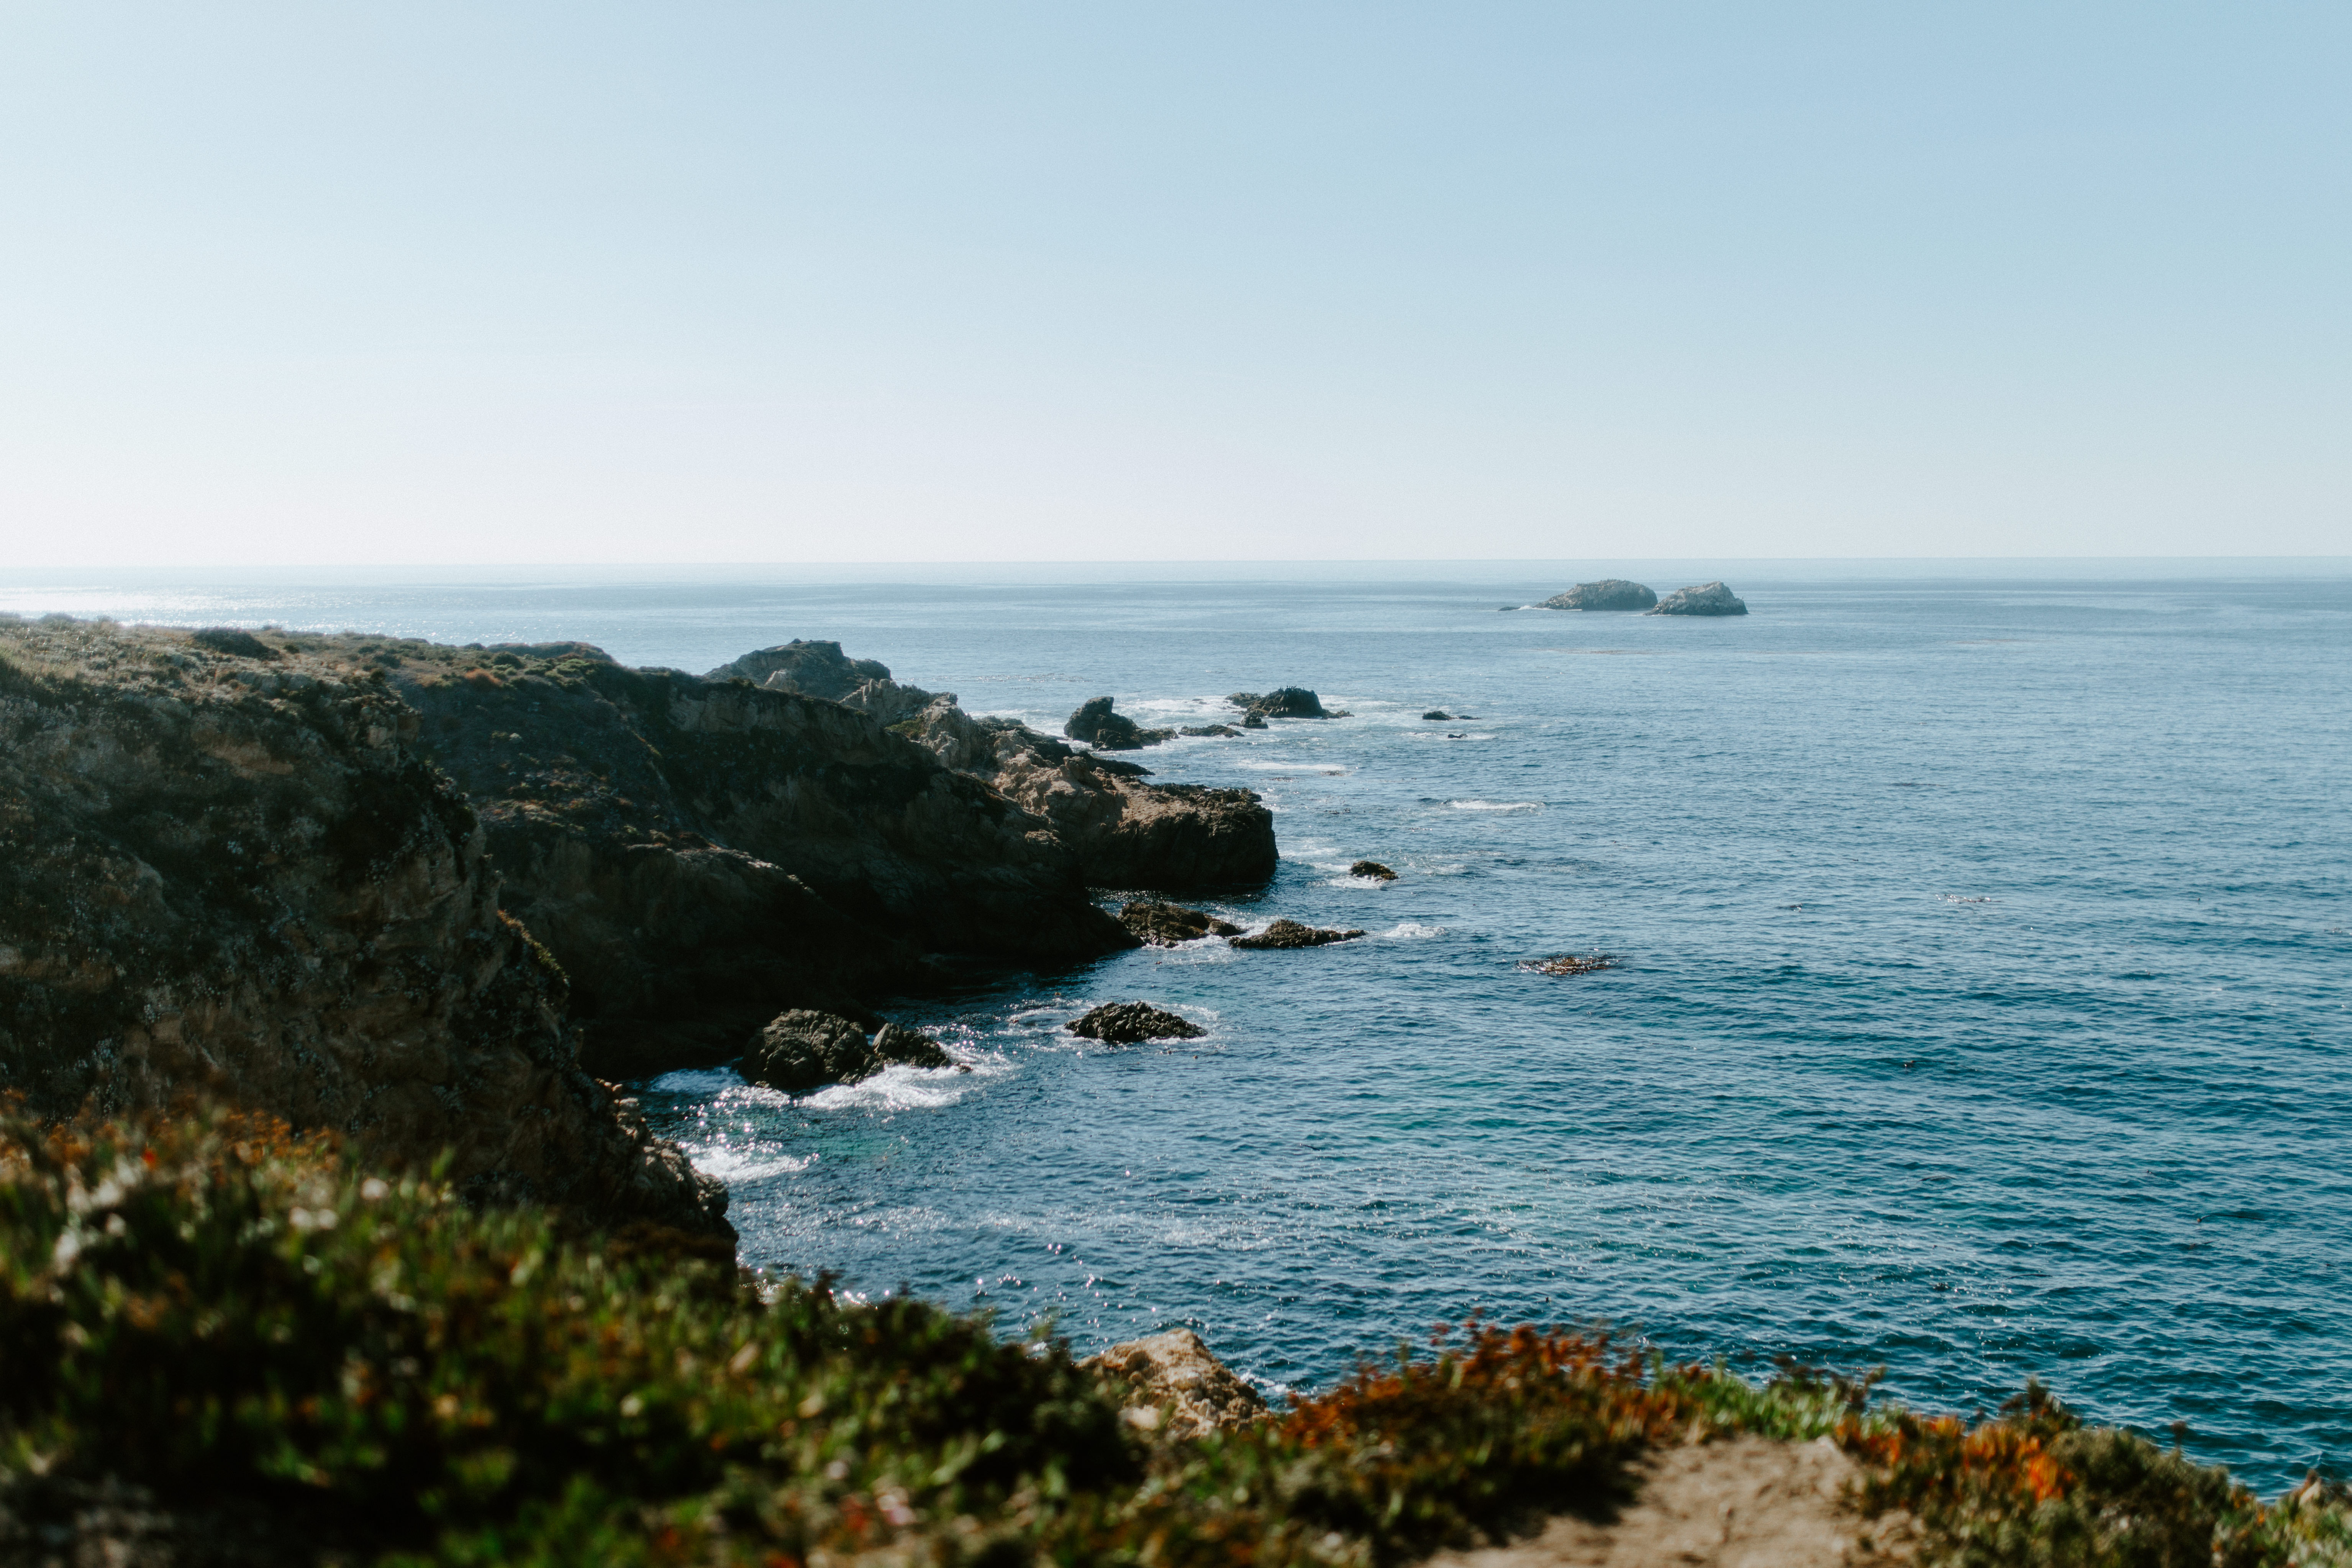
(1439, 714)
(803, 1050)
(1285, 702)
(1171, 1383)
(1165, 925)
(1254, 719)
(1224, 729)
(1282, 934)
(1097, 726)
(1131, 1023)
(1372, 868)
(1609, 593)
(1706, 599)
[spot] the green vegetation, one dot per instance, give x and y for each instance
(267, 1338)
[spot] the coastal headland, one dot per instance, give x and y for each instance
(330, 1233)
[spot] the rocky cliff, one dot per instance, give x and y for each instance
(227, 869)
(1122, 832)
(702, 854)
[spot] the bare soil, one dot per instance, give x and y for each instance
(1748, 1502)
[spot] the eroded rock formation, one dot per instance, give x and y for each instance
(232, 874)
(1098, 726)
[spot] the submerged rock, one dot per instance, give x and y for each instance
(1097, 726)
(1706, 599)
(1609, 593)
(1171, 1383)
(1372, 868)
(1439, 714)
(1291, 933)
(1166, 925)
(803, 1050)
(1208, 730)
(1131, 1023)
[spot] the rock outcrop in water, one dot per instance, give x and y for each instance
(1284, 702)
(803, 1050)
(1158, 924)
(1097, 726)
(1123, 832)
(233, 875)
(1285, 934)
(1609, 593)
(703, 853)
(1373, 870)
(1120, 831)
(1132, 1023)
(1706, 599)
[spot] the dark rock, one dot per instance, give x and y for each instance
(1283, 934)
(1122, 832)
(281, 905)
(1609, 593)
(1225, 729)
(232, 641)
(812, 668)
(1097, 726)
(1165, 925)
(1372, 868)
(803, 1050)
(1129, 1023)
(1437, 713)
(699, 855)
(1287, 702)
(1254, 719)
(1706, 599)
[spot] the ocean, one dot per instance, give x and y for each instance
(1981, 1007)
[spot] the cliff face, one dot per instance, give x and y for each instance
(1121, 831)
(702, 854)
(233, 875)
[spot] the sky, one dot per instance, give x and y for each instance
(713, 281)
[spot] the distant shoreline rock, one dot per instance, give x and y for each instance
(1704, 599)
(1372, 868)
(1614, 594)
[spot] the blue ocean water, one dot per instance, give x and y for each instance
(1982, 1006)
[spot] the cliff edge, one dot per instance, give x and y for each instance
(225, 871)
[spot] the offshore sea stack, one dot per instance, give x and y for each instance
(1706, 599)
(1609, 593)
(230, 874)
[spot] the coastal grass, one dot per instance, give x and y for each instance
(298, 1359)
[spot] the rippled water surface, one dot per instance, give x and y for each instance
(1981, 1010)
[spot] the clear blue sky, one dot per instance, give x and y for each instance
(726, 281)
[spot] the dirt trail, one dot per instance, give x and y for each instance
(1745, 1503)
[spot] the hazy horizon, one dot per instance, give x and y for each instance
(911, 283)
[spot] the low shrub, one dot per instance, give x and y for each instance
(301, 1360)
